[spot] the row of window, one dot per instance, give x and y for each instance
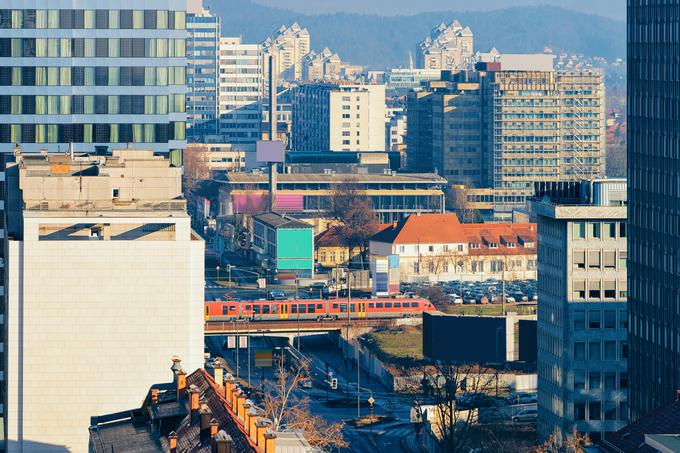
(596, 411)
(598, 319)
(599, 259)
(92, 105)
(92, 133)
(100, 19)
(598, 380)
(92, 76)
(597, 290)
(93, 47)
(599, 230)
(600, 350)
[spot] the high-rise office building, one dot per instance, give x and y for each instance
(203, 41)
(240, 92)
(333, 117)
(79, 73)
(290, 45)
(653, 191)
(446, 47)
(582, 318)
(512, 122)
(105, 284)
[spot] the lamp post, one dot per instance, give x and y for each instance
(218, 273)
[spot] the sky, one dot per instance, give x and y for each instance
(615, 9)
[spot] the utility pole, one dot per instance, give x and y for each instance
(249, 356)
(349, 299)
(358, 389)
(238, 346)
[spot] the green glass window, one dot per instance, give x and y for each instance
(40, 133)
(114, 75)
(114, 18)
(149, 105)
(41, 47)
(52, 105)
(16, 105)
(52, 47)
(180, 103)
(40, 105)
(16, 47)
(89, 47)
(161, 19)
(137, 133)
(41, 18)
(180, 47)
(65, 47)
(16, 77)
(149, 76)
(149, 133)
(113, 105)
(171, 48)
(114, 47)
(138, 19)
(180, 130)
(162, 76)
(88, 108)
(89, 18)
(65, 76)
(65, 105)
(161, 48)
(89, 76)
(15, 133)
(180, 20)
(161, 105)
(53, 19)
(17, 18)
(52, 133)
(53, 76)
(87, 133)
(180, 72)
(113, 133)
(41, 76)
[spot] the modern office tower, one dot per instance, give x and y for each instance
(290, 45)
(323, 66)
(81, 74)
(338, 117)
(446, 47)
(536, 125)
(203, 42)
(240, 92)
(105, 284)
(653, 172)
(582, 317)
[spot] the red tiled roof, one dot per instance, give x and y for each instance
(500, 234)
(424, 229)
(664, 420)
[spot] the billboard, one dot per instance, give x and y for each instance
(269, 151)
(464, 339)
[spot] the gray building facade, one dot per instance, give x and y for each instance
(93, 73)
(582, 317)
(654, 208)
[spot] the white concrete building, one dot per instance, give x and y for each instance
(240, 85)
(446, 47)
(335, 117)
(325, 65)
(105, 281)
(290, 45)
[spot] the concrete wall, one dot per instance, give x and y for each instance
(92, 326)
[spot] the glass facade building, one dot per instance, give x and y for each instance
(654, 207)
(203, 40)
(93, 74)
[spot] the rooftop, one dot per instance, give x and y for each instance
(289, 178)
(276, 221)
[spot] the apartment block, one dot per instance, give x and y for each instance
(582, 308)
(335, 117)
(203, 42)
(241, 85)
(289, 45)
(323, 66)
(446, 47)
(91, 75)
(105, 283)
(653, 173)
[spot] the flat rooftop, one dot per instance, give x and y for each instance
(276, 220)
(336, 178)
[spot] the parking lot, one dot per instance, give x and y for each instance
(486, 292)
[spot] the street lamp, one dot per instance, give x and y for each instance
(218, 273)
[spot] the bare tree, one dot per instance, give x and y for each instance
(457, 201)
(351, 209)
(282, 405)
(196, 170)
(572, 444)
(446, 383)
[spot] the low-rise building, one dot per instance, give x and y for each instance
(286, 244)
(330, 248)
(437, 247)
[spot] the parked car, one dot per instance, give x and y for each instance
(521, 398)
(525, 415)
(276, 294)
(306, 383)
(475, 400)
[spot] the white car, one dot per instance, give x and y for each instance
(525, 415)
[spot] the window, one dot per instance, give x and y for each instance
(610, 319)
(594, 351)
(622, 229)
(579, 290)
(623, 319)
(610, 380)
(579, 320)
(623, 256)
(579, 351)
(609, 259)
(594, 319)
(610, 350)
(579, 259)
(623, 380)
(610, 410)
(610, 230)
(594, 290)
(594, 410)
(594, 230)
(623, 410)
(579, 411)
(115, 193)
(579, 230)
(624, 350)
(579, 380)
(594, 380)
(594, 259)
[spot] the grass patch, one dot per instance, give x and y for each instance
(489, 310)
(401, 346)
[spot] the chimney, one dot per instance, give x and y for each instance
(261, 426)
(246, 414)
(206, 417)
(181, 384)
(172, 438)
(222, 443)
(214, 429)
(154, 396)
(270, 442)
(253, 415)
(219, 375)
(193, 401)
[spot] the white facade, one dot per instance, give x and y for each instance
(290, 45)
(98, 301)
(240, 85)
(446, 47)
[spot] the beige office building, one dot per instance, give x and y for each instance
(334, 117)
(105, 285)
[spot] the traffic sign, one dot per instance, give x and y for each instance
(371, 401)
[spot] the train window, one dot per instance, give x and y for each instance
(224, 309)
(247, 307)
(335, 306)
(379, 305)
(303, 308)
(319, 306)
(397, 305)
(232, 308)
(293, 308)
(388, 304)
(265, 309)
(275, 308)
(371, 305)
(207, 310)
(414, 304)
(352, 308)
(256, 309)
(343, 308)
(310, 308)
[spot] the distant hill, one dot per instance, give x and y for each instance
(379, 41)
